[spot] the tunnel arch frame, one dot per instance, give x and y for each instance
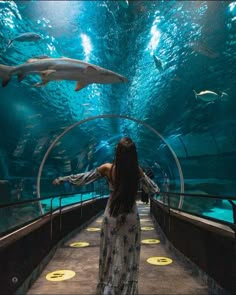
(109, 116)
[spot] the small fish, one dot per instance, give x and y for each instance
(204, 50)
(124, 3)
(158, 63)
(177, 78)
(224, 96)
(208, 96)
(40, 57)
(31, 126)
(25, 37)
(61, 152)
(35, 116)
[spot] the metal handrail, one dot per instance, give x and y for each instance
(50, 213)
(168, 194)
(230, 199)
(13, 204)
(60, 211)
(233, 198)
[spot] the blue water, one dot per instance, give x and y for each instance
(225, 214)
(195, 44)
(46, 204)
(22, 214)
(220, 214)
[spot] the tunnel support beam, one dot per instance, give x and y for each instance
(111, 116)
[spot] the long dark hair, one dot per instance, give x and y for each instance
(126, 177)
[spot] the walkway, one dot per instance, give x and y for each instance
(173, 278)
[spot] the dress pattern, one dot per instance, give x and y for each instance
(120, 241)
(119, 254)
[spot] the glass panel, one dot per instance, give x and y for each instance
(95, 146)
(18, 215)
(221, 210)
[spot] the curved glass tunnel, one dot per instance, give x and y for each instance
(194, 43)
(88, 145)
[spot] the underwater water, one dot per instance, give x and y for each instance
(167, 50)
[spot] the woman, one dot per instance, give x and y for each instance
(120, 234)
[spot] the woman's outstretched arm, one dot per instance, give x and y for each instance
(83, 178)
(147, 184)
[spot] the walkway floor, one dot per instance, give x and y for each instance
(171, 278)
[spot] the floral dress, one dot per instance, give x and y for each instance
(119, 254)
(119, 244)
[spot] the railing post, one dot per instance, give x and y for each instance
(81, 210)
(234, 250)
(164, 202)
(51, 226)
(168, 202)
(60, 214)
(92, 201)
(234, 210)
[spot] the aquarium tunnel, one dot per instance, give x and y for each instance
(76, 77)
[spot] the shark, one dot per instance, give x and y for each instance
(63, 68)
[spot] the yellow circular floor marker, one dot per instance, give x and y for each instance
(79, 244)
(93, 229)
(147, 228)
(150, 241)
(60, 275)
(159, 260)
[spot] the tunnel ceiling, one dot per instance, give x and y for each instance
(195, 40)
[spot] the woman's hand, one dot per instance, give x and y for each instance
(56, 181)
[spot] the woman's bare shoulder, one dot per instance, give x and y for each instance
(105, 168)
